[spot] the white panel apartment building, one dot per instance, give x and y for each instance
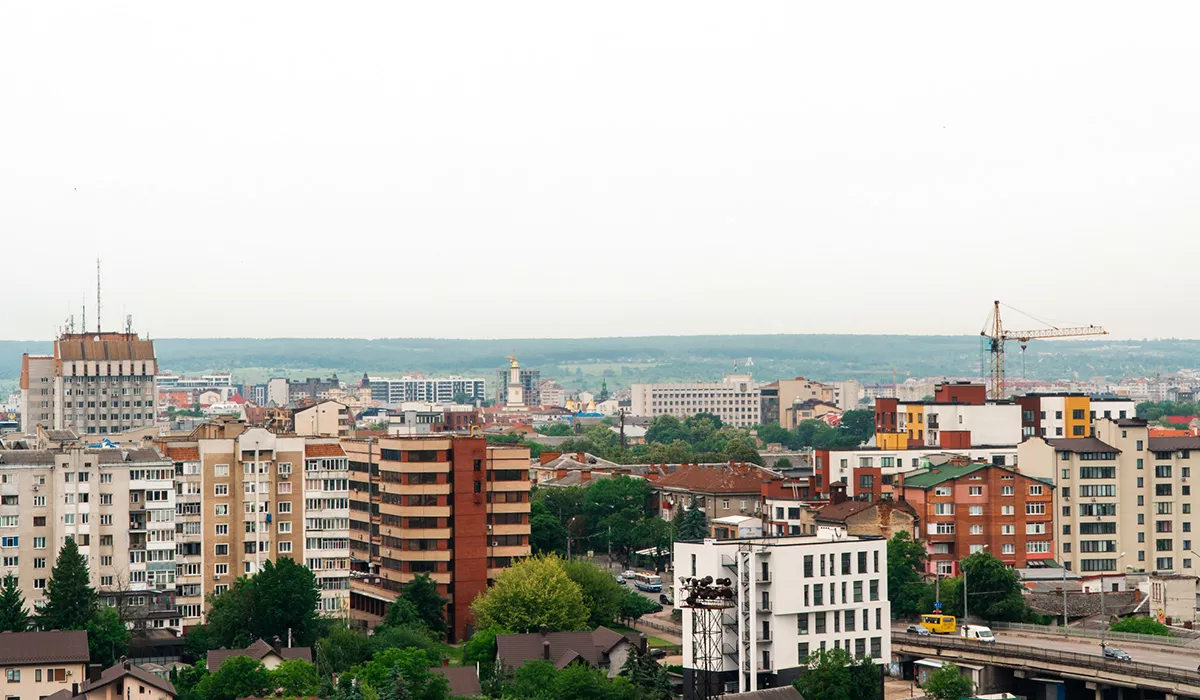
(435, 390)
(736, 400)
(118, 506)
(798, 595)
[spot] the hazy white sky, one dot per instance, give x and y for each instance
(502, 169)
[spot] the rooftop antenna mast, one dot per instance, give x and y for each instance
(83, 321)
(97, 296)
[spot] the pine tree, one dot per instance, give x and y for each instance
(70, 599)
(13, 617)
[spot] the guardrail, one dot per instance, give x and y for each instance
(1091, 661)
(1095, 634)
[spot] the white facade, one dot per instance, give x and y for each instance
(796, 596)
(735, 400)
(277, 391)
(893, 462)
(327, 528)
(443, 390)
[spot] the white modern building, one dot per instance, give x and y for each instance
(440, 390)
(793, 596)
(736, 400)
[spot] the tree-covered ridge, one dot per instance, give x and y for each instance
(660, 358)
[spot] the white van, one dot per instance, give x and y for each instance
(979, 633)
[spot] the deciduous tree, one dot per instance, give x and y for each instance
(531, 594)
(905, 561)
(947, 683)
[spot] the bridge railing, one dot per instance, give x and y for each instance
(1091, 661)
(1095, 634)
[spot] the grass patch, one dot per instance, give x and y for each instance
(659, 642)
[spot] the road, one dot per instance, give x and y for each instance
(1178, 657)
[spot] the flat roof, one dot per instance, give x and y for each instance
(786, 540)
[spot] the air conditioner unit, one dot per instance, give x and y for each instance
(35, 488)
(489, 527)
(284, 476)
(495, 543)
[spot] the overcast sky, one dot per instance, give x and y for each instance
(515, 169)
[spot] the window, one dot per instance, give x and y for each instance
(1035, 509)
(1008, 548)
(1006, 490)
(221, 509)
(39, 584)
(943, 509)
(285, 468)
(222, 529)
(14, 675)
(874, 589)
(1164, 563)
(976, 529)
(222, 550)
(220, 489)
(976, 548)
(221, 569)
(1035, 528)
(1035, 490)
(1162, 471)
(1005, 530)
(942, 491)
(1039, 547)
(944, 528)
(221, 470)
(285, 506)
(975, 490)
(976, 510)
(285, 526)
(1007, 510)
(285, 547)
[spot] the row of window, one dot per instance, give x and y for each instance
(851, 589)
(826, 563)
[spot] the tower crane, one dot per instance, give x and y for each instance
(998, 335)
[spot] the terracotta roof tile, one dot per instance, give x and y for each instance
(324, 450)
(183, 454)
(721, 478)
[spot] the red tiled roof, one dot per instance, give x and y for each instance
(183, 454)
(324, 450)
(722, 478)
(1179, 420)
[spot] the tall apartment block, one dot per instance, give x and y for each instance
(736, 400)
(248, 496)
(793, 596)
(118, 506)
(92, 384)
(450, 507)
(433, 390)
(1124, 499)
(531, 385)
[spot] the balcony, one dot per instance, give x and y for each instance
(763, 606)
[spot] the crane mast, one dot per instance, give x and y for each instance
(998, 335)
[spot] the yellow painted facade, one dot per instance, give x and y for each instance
(1076, 414)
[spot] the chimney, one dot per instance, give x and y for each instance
(125, 663)
(546, 650)
(93, 672)
(74, 689)
(585, 475)
(276, 645)
(837, 492)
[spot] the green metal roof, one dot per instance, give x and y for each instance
(929, 478)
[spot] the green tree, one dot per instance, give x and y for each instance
(198, 642)
(285, 598)
(741, 450)
(342, 648)
(860, 425)
(947, 683)
(676, 452)
(905, 561)
(534, 680)
(186, 679)
(645, 674)
(866, 679)
(401, 612)
(296, 677)
(825, 676)
(108, 637)
(994, 590)
(1141, 625)
(230, 614)
(13, 617)
(782, 463)
(481, 647)
(70, 598)
(546, 534)
(601, 592)
(238, 677)
(422, 591)
(633, 605)
(693, 524)
(533, 593)
(667, 429)
(556, 430)
(412, 664)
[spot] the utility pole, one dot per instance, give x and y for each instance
(1064, 587)
(621, 413)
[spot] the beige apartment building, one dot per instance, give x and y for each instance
(1123, 500)
(736, 400)
(248, 496)
(42, 664)
(92, 384)
(451, 507)
(118, 506)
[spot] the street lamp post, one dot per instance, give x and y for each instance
(1103, 617)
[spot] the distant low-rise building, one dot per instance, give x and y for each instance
(602, 648)
(270, 654)
(719, 490)
(736, 400)
(40, 664)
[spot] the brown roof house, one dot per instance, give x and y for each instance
(603, 649)
(463, 680)
(271, 655)
(39, 664)
(719, 490)
(882, 518)
(119, 682)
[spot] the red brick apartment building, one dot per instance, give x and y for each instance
(451, 507)
(967, 507)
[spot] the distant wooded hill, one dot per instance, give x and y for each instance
(584, 362)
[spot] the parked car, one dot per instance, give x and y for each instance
(657, 653)
(621, 579)
(665, 599)
(1117, 654)
(918, 630)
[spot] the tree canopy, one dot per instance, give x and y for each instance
(833, 675)
(947, 683)
(905, 562)
(1141, 625)
(282, 596)
(533, 593)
